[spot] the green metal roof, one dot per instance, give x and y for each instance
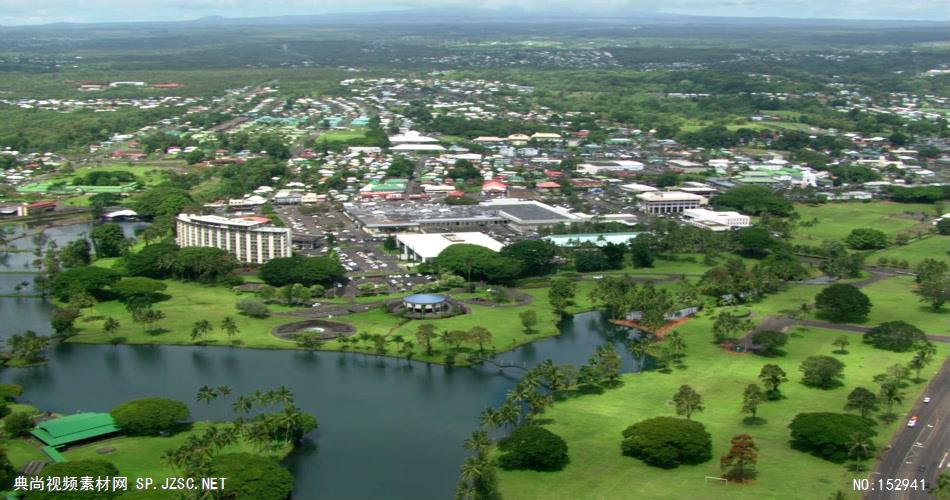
(54, 454)
(65, 430)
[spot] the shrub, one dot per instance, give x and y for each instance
(843, 303)
(18, 424)
(253, 308)
(667, 442)
(896, 336)
(535, 448)
(149, 415)
(252, 476)
(828, 435)
(77, 468)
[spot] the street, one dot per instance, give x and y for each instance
(919, 452)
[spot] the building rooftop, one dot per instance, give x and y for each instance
(429, 246)
(425, 298)
(72, 428)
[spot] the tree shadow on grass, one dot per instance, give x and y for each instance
(754, 421)
(156, 331)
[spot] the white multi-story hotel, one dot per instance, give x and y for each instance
(252, 240)
(669, 202)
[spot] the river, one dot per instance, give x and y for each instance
(388, 428)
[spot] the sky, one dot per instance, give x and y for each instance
(25, 12)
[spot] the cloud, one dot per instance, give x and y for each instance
(14, 12)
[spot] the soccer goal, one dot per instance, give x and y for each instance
(716, 480)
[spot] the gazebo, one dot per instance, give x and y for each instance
(426, 303)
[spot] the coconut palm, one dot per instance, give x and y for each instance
(206, 394)
(229, 326)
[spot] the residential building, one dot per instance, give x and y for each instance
(250, 239)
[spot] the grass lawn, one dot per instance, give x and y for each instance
(933, 247)
(188, 303)
(893, 299)
(592, 425)
(149, 173)
(836, 220)
(341, 135)
(141, 456)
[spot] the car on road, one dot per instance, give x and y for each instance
(912, 422)
(927, 399)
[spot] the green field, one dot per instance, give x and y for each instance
(340, 135)
(592, 425)
(836, 220)
(188, 303)
(933, 247)
(893, 298)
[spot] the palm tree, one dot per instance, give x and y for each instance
(489, 418)
(206, 394)
(472, 469)
(477, 442)
(229, 326)
(860, 448)
(283, 395)
(242, 404)
(677, 344)
(200, 329)
(223, 390)
(111, 326)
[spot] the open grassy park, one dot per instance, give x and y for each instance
(836, 220)
(929, 247)
(592, 424)
(892, 299)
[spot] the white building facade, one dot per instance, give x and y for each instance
(716, 221)
(669, 202)
(253, 241)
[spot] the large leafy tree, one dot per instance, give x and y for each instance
(534, 448)
(93, 280)
(843, 303)
(667, 442)
(475, 262)
(302, 270)
(108, 240)
(536, 256)
(561, 294)
(149, 416)
(252, 476)
(897, 336)
(827, 435)
(866, 239)
(823, 372)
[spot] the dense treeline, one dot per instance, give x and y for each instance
(43, 131)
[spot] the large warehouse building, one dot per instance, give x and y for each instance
(252, 240)
(425, 247)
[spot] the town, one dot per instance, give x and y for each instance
(511, 256)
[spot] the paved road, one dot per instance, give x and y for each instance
(920, 452)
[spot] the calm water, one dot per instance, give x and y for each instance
(388, 428)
